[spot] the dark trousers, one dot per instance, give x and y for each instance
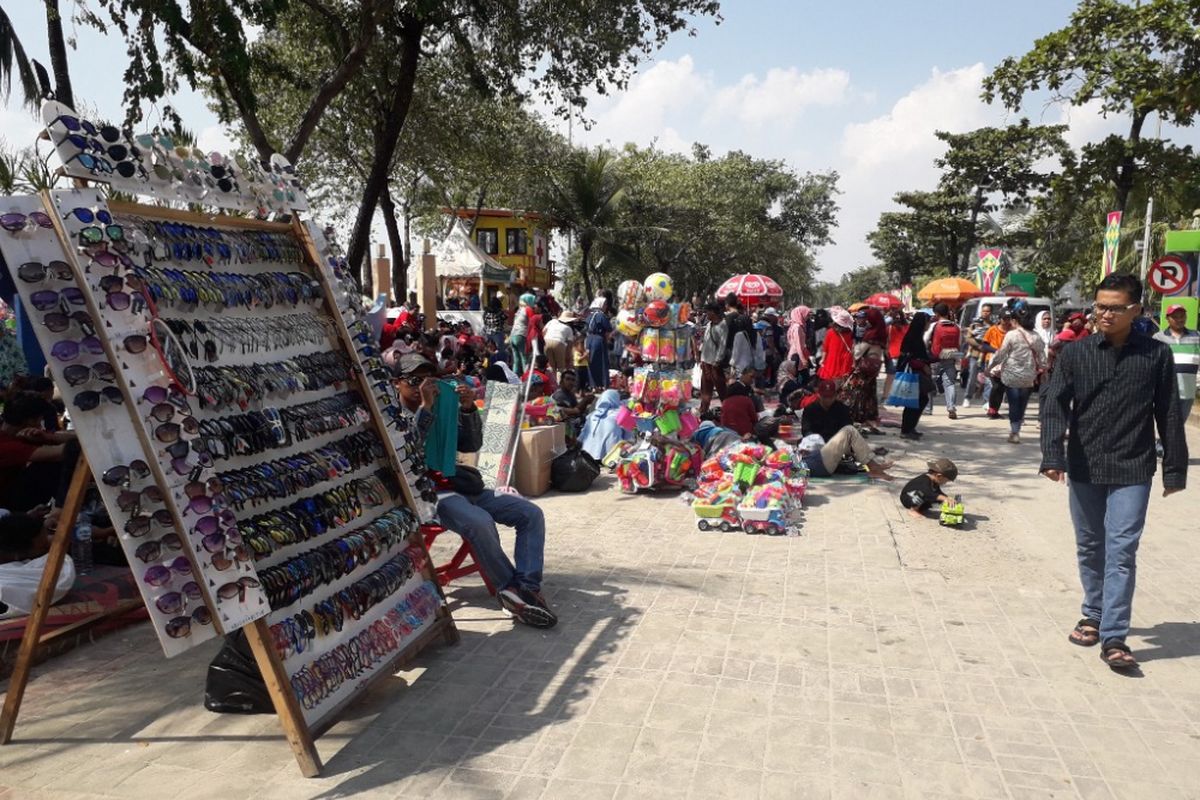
(997, 395)
(911, 416)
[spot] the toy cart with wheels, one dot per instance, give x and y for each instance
(763, 520)
(716, 518)
(952, 513)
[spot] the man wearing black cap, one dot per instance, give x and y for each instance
(472, 511)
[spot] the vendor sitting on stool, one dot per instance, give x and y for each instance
(472, 511)
(829, 419)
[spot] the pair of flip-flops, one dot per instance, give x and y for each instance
(1113, 652)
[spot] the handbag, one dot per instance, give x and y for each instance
(906, 390)
(466, 480)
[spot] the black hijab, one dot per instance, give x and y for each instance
(913, 343)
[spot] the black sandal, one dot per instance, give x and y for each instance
(1117, 655)
(1086, 633)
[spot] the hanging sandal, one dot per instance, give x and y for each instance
(1086, 633)
(1117, 655)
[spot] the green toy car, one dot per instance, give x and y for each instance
(952, 513)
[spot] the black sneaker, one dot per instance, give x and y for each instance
(527, 606)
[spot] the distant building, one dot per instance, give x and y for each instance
(519, 240)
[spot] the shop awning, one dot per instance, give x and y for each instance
(459, 257)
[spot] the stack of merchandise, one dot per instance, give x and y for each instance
(661, 388)
(750, 487)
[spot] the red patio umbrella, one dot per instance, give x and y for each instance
(751, 288)
(884, 300)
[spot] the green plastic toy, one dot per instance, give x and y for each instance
(952, 513)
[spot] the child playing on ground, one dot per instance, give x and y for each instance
(924, 490)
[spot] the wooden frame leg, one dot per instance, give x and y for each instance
(286, 704)
(44, 598)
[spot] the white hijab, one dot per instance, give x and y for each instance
(1046, 334)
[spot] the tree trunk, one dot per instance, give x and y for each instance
(975, 209)
(1127, 171)
(385, 147)
(585, 268)
(58, 55)
(399, 275)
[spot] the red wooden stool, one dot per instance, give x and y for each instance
(458, 566)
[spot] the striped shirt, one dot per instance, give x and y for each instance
(1110, 399)
(1186, 350)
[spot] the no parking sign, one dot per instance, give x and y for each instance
(1170, 275)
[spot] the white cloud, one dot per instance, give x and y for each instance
(217, 138)
(781, 96)
(18, 128)
(895, 151)
(640, 113)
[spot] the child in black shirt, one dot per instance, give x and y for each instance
(922, 491)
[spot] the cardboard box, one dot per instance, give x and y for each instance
(537, 448)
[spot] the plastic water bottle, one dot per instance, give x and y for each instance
(81, 545)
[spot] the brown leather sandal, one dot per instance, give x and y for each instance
(1117, 655)
(1086, 633)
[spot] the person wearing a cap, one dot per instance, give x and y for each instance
(924, 490)
(1107, 394)
(829, 419)
(1185, 350)
(472, 511)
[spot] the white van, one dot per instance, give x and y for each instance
(970, 310)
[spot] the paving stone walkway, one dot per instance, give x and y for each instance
(874, 656)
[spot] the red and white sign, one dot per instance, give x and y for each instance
(1170, 275)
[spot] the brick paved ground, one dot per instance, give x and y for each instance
(871, 657)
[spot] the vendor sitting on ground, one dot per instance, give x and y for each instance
(828, 415)
(472, 511)
(829, 419)
(24, 542)
(574, 407)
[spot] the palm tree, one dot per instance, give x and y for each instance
(12, 56)
(586, 199)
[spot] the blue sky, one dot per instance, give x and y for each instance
(854, 86)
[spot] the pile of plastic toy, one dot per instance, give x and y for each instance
(750, 487)
(655, 462)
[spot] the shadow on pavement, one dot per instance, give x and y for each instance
(1168, 640)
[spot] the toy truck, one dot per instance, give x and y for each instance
(763, 520)
(719, 517)
(952, 513)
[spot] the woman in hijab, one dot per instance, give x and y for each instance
(1044, 329)
(601, 431)
(519, 337)
(599, 330)
(787, 380)
(797, 339)
(914, 357)
(838, 347)
(860, 391)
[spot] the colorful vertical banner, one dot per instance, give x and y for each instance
(987, 270)
(1112, 244)
(906, 296)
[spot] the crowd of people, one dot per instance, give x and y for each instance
(758, 369)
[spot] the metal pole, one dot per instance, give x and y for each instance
(1146, 238)
(1149, 211)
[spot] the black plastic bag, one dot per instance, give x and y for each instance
(574, 471)
(234, 684)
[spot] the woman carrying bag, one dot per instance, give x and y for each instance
(1019, 363)
(914, 360)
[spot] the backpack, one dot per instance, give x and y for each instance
(946, 341)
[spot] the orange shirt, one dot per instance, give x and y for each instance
(994, 337)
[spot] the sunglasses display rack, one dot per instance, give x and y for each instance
(154, 164)
(247, 443)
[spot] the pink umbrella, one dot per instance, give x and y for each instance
(750, 288)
